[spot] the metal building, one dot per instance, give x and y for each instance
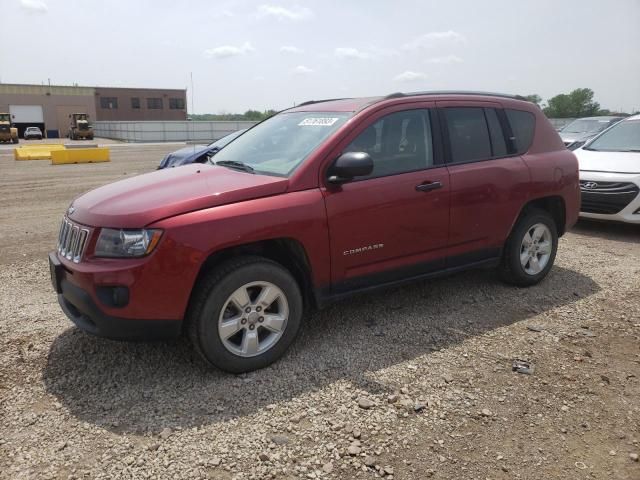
(49, 106)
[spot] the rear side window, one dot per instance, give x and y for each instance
(522, 125)
(498, 143)
(468, 134)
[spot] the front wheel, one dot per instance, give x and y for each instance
(530, 250)
(245, 314)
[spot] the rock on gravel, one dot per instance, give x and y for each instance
(366, 403)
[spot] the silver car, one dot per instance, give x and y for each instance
(577, 133)
(33, 132)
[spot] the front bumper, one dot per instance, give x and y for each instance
(85, 313)
(603, 205)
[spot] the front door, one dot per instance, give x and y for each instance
(393, 223)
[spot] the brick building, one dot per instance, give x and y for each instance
(49, 106)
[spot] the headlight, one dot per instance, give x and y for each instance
(126, 243)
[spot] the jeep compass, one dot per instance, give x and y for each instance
(313, 204)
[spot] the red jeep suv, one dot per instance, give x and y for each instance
(315, 203)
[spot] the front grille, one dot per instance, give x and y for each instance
(4, 128)
(72, 240)
(606, 197)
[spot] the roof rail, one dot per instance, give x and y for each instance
(311, 102)
(454, 92)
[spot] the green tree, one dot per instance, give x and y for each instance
(578, 103)
(534, 98)
(249, 115)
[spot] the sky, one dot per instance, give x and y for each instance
(271, 54)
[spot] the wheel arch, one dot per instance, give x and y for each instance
(286, 251)
(553, 204)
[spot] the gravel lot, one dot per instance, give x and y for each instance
(410, 383)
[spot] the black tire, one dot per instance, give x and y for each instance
(15, 140)
(210, 296)
(511, 270)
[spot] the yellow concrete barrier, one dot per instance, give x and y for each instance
(80, 155)
(41, 151)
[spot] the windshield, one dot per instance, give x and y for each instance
(584, 125)
(622, 137)
(281, 143)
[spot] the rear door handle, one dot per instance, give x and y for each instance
(428, 186)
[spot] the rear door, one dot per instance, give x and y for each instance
(394, 223)
(489, 181)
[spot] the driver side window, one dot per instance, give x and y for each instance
(397, 143)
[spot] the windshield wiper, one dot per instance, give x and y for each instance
(235, 164)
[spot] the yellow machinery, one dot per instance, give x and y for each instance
(8, 133)
(80, 127)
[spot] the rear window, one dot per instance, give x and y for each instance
(522, 125)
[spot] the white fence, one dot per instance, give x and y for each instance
(185, 131)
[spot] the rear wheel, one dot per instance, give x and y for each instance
(530, 250)
(245, 314)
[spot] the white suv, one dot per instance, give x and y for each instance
(610, 173)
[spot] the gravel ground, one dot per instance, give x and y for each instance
(410, 383)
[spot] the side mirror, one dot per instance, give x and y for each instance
(350, 165)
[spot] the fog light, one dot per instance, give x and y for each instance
(114, 297)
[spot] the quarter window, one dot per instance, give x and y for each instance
(398, 143)
(468, 134)
(522, 125)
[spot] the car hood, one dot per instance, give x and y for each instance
(139, 201)
(618, 162)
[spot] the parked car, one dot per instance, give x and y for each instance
(316, 203)
(610, 173)
(197, 153)
(32, 132)
(576, 133)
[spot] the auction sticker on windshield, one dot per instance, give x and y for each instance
(318, 121)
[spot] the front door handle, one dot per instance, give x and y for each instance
(428, 186)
